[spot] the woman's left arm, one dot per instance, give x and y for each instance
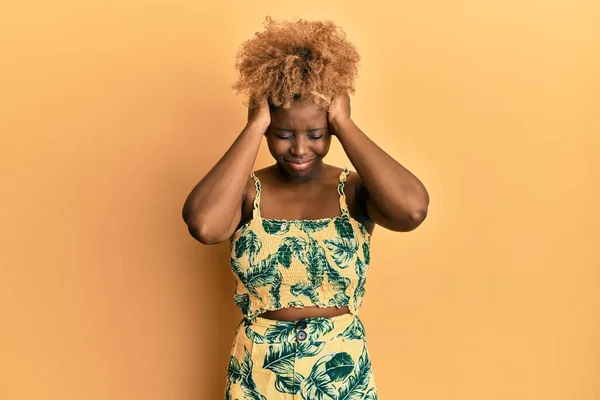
(395, 198)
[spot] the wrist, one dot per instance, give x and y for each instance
(258, 125)
(339, 123)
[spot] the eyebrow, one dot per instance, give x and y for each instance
(291, 130)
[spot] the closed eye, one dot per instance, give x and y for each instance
(290, 137)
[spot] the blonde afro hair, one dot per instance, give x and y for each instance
(296, 60)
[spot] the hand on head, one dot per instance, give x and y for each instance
(339, 108)
(258, 111)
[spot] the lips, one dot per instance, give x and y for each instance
(300, 165)
(298, 161)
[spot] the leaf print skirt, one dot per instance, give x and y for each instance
(311, 359)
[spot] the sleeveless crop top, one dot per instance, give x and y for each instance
(298, 263)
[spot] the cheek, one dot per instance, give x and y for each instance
(276, 148)
(323, 146)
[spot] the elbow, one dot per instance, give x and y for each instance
(407, 221)
(416, 218)
(419, 211)
(202, 233)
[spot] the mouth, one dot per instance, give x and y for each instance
(299, 165)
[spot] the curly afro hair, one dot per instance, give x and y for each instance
(296, 61)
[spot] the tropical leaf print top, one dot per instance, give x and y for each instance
(298, 263)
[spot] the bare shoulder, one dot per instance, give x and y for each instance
(334, 172)
(353, 182)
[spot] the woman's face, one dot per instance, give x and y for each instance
(299, 138)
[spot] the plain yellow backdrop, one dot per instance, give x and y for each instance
(111, 111)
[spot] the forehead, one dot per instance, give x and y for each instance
(299, 115)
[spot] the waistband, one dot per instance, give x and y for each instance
(266, 322)
(263, 330)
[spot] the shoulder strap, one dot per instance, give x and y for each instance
(340, 189)
(256, 209)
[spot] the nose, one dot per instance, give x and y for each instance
(299, 147)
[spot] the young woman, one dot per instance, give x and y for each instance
(300, 230)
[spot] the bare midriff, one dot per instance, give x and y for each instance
(294, 314)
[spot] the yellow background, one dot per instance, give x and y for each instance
(111, 111)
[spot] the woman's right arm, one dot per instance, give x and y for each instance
(213, 209)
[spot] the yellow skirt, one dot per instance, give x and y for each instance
(310, 359)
